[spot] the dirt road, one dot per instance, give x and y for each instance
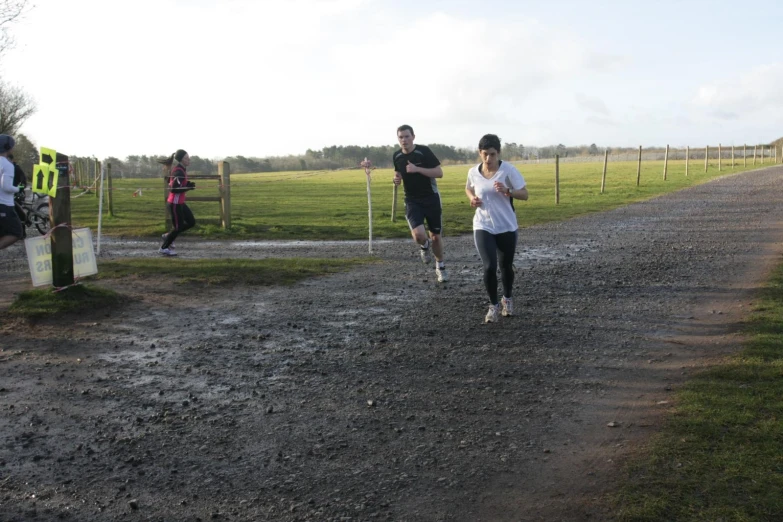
(379, 394)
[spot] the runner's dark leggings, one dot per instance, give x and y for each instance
(493, 248)
(182, 219)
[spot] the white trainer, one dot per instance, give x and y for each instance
(171, 246)
(492, 314)
(442, 275)
(508, 307)
(426, 256)
(167, 252)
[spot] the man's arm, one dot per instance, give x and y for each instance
(7, 182)
(434, 172)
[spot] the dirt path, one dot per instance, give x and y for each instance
(377, 394)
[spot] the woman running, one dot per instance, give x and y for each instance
(181, 217)
(491, 188)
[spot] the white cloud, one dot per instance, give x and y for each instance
(758, 89)
(591, 104)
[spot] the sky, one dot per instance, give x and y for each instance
(264, 78)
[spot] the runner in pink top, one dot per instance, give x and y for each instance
(181, 217)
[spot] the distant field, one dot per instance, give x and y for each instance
(333, 205)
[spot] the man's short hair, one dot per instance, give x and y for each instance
(489, 141)
(405, 128)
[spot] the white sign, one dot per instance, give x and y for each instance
(39, 256)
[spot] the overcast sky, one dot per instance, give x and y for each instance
(274, 77)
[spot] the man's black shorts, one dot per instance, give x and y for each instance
(428, 209)
(9, 222)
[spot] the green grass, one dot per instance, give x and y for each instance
(245, 272)
(76, 299)
(333, 205)
(720, 457)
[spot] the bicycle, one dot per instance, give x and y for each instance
(32, 212)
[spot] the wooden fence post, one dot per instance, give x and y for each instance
(706, 157)
(720, 157)
(557, 179)
(754, 153)
(166, 175)
(639, 167)
(224, 171)
(666, 162)
(111, 192)
(394, 203)
(762, 154)
(62, 241)
(96, 164)
(732, 156)
(744, 155)
(687, 158)
(603, 178)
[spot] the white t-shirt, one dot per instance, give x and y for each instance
(495, 214)
(7, 188)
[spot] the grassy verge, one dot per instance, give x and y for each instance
(720, 456)
(246, 272)
(77, 299)
(333, 205)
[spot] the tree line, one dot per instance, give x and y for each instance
(348, 156)
(328, 158)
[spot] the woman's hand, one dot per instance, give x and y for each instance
(475, 202)
(502, 188)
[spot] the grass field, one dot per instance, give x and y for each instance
(333, 205)
(720, 456)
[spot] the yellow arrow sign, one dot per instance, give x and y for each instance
(41, 178)
(48, 156)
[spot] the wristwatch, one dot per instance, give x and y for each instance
(508, 193)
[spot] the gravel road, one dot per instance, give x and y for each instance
(378, 394)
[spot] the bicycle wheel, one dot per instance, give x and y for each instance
(40, 218)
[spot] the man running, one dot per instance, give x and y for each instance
(416, 167)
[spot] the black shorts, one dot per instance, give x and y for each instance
(427, 209)
(9, 222)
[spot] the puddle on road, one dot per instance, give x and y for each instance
(309, 244)
(529, 255)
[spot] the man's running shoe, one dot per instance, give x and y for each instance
(442, 275)
(167, 252)
(426, 256)
(508, 307)
(492, 314)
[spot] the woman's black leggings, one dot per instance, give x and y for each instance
(491, 248)
(182, 219)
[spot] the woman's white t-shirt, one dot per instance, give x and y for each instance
(495, 215)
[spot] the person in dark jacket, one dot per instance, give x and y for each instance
(181, 216)
(20, 180)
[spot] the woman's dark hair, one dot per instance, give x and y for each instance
(489, 141)
(176, 156)
(167, 161)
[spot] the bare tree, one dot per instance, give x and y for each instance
(15, 108)
(15, 105)
(10, 12)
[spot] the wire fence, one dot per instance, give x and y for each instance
(746, 153)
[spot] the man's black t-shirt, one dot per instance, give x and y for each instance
(416, 185)
(19, 177)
